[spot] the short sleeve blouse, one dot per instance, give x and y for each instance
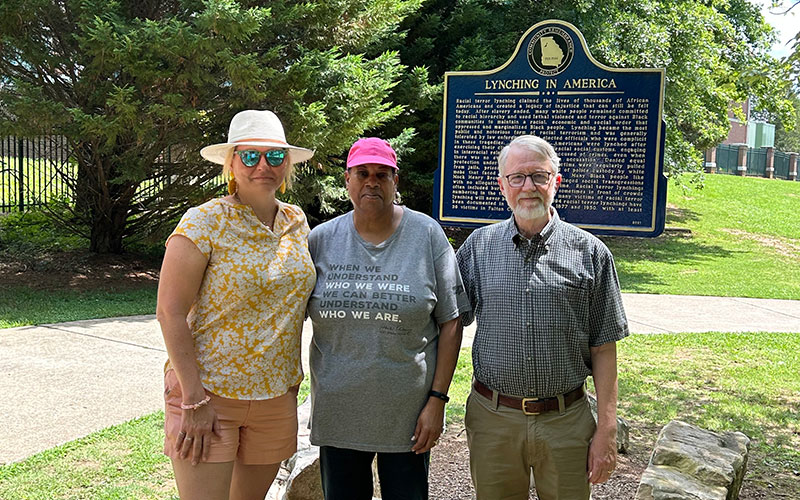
(247, 318)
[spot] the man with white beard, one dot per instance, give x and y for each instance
(549, 311)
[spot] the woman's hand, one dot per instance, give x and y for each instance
(429, 426)
(197, 428)
(430, 422)
(181, 275)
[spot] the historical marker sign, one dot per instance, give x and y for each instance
(604, 123)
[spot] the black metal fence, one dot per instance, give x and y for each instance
(757, 162)
(728, 162)
(727, 158)
(34, 171)
(781, 165)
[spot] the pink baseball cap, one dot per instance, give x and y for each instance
(372, 150)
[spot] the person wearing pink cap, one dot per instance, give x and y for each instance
(231, 303)
(385, 312)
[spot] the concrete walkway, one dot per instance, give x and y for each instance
(64, 381)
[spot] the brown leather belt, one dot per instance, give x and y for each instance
(530, 406)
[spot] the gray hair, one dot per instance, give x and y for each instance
(533, 144)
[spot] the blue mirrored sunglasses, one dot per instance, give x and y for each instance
(251, 157)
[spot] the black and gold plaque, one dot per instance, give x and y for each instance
(605, 124)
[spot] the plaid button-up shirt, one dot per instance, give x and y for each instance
(540, 305)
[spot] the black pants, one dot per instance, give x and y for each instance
(347, 474)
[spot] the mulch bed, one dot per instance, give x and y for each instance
(79, 271)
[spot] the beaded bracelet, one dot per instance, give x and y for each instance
(196, 405)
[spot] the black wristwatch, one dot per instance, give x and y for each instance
(436, 394)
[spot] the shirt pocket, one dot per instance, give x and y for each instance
(563, 302)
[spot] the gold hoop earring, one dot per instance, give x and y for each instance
(283, 186)
(232, 187)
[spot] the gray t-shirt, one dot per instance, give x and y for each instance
(376, 311)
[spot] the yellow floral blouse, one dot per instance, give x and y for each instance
(247, 318)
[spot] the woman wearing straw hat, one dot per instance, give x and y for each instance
(385, 312)
(231, 299)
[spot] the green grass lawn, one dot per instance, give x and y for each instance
(38, 249)
(718, 381)
(744, 382)
(744, 242)
(20, 306)
(121, 462)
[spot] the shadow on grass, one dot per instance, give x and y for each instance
(678, 215)
(677, 249)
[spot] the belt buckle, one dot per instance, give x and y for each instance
(524, 406)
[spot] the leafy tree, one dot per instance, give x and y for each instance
(138, 86)
(714, 52)
(787, 129)
(794, 57)
(787, 136)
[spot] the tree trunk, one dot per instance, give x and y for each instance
(83, 193)
(108, 203)
(107, 232)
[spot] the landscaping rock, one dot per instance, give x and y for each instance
(689, 463)
(304, 481)
(666, 483)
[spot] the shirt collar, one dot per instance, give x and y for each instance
(549, 229)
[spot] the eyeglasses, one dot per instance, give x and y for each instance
(538, 178)
(251, 157)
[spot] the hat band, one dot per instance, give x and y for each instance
(261, 139)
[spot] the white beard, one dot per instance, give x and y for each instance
(529, 212)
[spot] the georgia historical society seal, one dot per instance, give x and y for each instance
(550, 51)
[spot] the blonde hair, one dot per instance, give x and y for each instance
(288, 176)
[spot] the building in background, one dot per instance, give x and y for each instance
(755, 133)
(749, 149)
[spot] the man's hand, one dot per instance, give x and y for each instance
(602, 455)
(603, 449)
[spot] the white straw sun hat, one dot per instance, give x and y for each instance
(255, 128)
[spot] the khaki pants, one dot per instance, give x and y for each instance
(505, 444)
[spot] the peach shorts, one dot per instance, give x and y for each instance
(254, 432)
